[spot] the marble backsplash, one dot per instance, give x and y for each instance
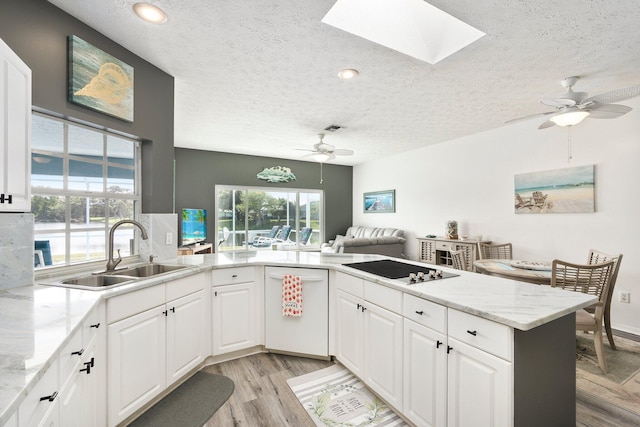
(16, 250)
(158, 226)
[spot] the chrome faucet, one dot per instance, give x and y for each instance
(111, 263)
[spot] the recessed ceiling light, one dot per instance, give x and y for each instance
(150, 13)
(413, 27)
(348, 73)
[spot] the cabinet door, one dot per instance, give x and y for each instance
(480, 388)
(15, 132)
(350, 332)
(186, 327)
(137, 362)
(427, 251)
(383, 353)
(234, 317)
(78, 405)
(425, 375)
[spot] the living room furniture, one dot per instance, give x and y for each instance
(436, 250)
(592, 279)
(457, 260)
(596, 257)
(201, 248)
(495, 250)
(368, 240)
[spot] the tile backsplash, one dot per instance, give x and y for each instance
(16, 250)
(158, 227)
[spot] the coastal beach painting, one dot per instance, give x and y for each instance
(568, 190)
(99, 81)
(380, 202)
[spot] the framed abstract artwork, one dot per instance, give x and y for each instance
(380, 201)
(99, 81)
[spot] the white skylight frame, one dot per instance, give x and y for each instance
(412, 27)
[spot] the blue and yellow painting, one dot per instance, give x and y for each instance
(99, 81)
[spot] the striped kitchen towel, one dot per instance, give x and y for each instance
(291, 296)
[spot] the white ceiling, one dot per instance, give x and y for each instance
(260, 77)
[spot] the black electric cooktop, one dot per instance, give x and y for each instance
(396, 269)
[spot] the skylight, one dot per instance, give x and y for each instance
(412, 27)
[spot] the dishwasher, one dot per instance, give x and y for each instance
(307, 334)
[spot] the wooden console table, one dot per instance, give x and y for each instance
(206, 248)
(436, 250)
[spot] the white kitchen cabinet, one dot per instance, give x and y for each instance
(479, 388)
(151, 349)
(424, 375)
(15, 132)
(236, 310)
(369, 336)
(40, 407)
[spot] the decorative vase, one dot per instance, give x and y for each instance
(452, 230)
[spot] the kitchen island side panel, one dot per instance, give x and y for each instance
(545, 374)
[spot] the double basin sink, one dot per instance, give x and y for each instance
(118, 277)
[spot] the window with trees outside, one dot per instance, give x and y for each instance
(83, 180)
(254, 218)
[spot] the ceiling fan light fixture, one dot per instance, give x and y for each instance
(348, 73)
(150, 13)
(569, 118)
(321, 157)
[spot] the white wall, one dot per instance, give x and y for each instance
(471, 180)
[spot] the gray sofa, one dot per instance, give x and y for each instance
(368, 240)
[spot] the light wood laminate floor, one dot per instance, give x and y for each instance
(263, 398)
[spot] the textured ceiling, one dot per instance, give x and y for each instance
(259, 77)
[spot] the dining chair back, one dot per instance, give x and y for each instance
(495, 250)
(592, 279)
(596, 257)
(458, 259)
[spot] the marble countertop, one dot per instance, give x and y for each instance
(36, 321)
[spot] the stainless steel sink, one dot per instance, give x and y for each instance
(97, 281)
(148, 270)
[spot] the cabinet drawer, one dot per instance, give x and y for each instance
(351, 284)
(90, 326)
(443, 246)
(33, 410)
(481, 333)
(136, 302)
(69, 357)
(187, 285)
(383, 296)
(228, 276)
(425, 312)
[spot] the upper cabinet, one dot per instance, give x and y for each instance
(15, 132)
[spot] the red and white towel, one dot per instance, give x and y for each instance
(291, 296)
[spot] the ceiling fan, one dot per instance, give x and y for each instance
(323, 152)
(573, 107)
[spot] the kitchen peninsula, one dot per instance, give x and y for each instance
(526, 328)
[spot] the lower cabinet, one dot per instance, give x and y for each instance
(234, 317)
(150, 350)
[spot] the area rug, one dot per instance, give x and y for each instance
(622, 363)
(192, 404)
(334, 397)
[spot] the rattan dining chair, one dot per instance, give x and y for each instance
(458, 259)
(592, 279)
(495, 250)
(596, 257)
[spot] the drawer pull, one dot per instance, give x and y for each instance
(87, 368)
(474, 333)
(438, 344)
(173, 309)
(79, 352)
(166, 312)
(420, 312)
(449, 348)
(234, 276)
(97, 325)
(50, 398)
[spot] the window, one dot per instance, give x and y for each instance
(258, 218)
(83, 180)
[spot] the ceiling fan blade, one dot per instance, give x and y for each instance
(615, 95)
(342, 152)
(558, 102)
(608, 111)
(304, 149)
(546, 124)
(519, 119)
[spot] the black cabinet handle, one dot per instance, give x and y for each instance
(91, 362)
(6, 198)
(438, 344)
(358, 306)
(166, 312)
(50, 398)
(420, 312)
(363, 308)
(87, 368)
(79, 352)
(97, 325)
(234, 276)
(474, 333)
(449, 348)
(173, 309)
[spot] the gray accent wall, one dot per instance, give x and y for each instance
(198, 172)
(37, 31)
